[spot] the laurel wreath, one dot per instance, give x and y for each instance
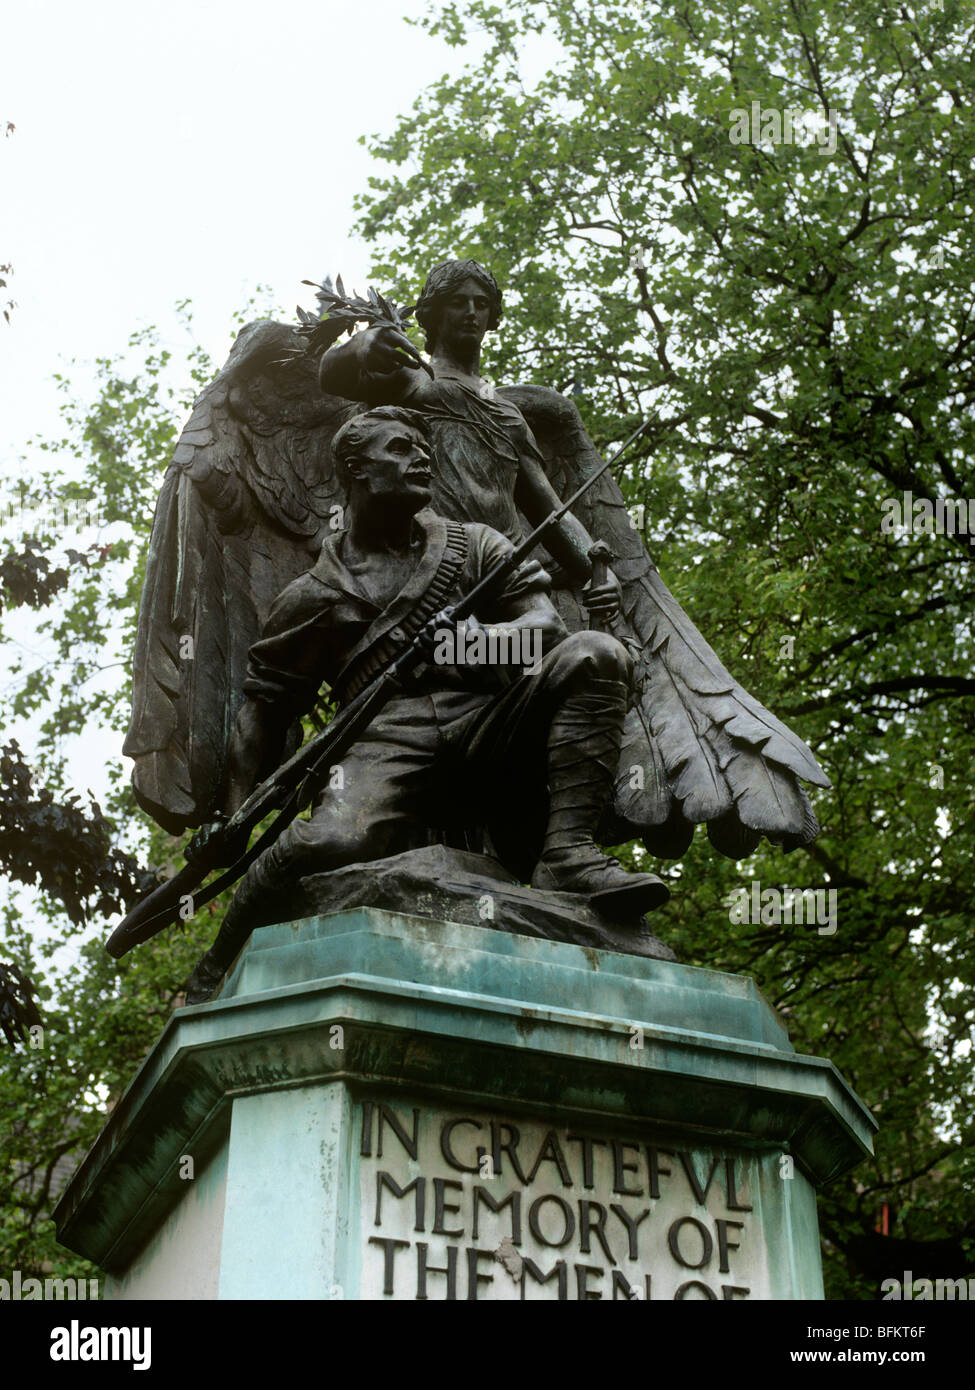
(340, 313)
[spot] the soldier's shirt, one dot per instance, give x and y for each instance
(326, 624)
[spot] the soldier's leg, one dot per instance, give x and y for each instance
(369, 810)
(583, 753)
(575, 706)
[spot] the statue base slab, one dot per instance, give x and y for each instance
(380, 1106)
(451, 885)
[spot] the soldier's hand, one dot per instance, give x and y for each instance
(212, 846)
(195, 850)
(434, 631)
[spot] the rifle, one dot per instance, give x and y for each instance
(295, 784)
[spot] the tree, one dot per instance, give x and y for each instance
(97, 1017)
(798, 325)
(795, 315)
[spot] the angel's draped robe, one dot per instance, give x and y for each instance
(478, 440)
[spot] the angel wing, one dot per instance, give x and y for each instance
(249, 497)
(707, 750)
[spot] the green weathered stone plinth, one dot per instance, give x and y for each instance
(382, 1106)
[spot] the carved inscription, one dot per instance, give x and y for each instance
(476, 1206)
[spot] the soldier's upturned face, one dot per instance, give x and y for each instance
(395, 465)
(464, 317)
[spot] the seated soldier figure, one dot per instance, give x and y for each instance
(527, 755)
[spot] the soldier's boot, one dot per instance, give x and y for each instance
(203, 983)
(583, 751)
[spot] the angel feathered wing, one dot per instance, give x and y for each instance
(706, 750)
(249, 497)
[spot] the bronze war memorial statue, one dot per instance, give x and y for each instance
(328, 505)
(406, 671)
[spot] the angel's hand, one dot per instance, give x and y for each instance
(386, 350)
(603, 600)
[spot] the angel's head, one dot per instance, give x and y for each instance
(464, 290)
(383, 457)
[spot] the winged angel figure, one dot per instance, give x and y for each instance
(254, 490)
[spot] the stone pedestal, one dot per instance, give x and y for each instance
(388, 1107)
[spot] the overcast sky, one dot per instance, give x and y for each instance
(186, 149)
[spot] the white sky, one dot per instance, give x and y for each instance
(186, 149)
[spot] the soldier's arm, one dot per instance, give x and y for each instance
(529, 611)
(256, 750)
(524, 600)
(285, 672)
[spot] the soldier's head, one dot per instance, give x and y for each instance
(459, 300)
(383, 459)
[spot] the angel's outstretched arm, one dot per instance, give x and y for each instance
(379, 366)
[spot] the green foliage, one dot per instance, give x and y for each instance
(61, 847)
(99, 1016)
(797, 323)
(101, 1019)
(26, 577)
